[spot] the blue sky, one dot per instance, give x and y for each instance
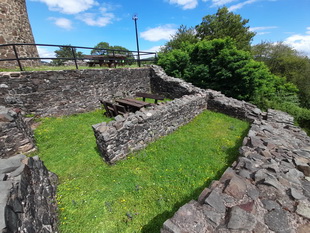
(88, 22)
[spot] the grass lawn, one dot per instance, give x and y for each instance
(47, 67)
(137, 194)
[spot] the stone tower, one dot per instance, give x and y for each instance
(15, 28)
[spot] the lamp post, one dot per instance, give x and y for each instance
(135, 18)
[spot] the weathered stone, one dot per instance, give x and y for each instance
(216, 201)
(275, 183)
(189, 219)
(277, 220)
(248, 207)
(171, 227)
(27, 196)
(245, 173)
(300, 161)
(270, 204)
(213, 216)
(253, 193)
(294, 175)
(296, 194)
(203, 195)
(240, 220)
(304, 169)
(261, 228)
(303, 209)
(236, 187)
(11, 164)
(303, 228)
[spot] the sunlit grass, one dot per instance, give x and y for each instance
(49, 67)
(137, 194)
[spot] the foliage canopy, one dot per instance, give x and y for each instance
(219, 65)
(284, 61)
(103, 48)
(66, 52)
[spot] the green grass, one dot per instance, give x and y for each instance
(137, 194)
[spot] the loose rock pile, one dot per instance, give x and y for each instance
(27, 196)
(266, 190)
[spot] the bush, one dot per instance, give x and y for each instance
(219, 65)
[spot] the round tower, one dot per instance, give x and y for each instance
(15, 28)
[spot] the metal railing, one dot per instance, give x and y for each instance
(112, 54)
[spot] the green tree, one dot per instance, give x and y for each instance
(65, 52)
(103, 48)
(226, 24)
(219, 65)
(100, 48)
(284, 61)
(183, 36)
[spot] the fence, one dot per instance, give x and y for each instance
(109, 56)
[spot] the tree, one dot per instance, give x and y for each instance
(103, 48)
(219, 65)
(100, 48)
(226, 24)
(183, 35)
(284, 61)
(66, 51)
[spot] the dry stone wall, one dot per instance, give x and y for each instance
(47, 93)
(133, 132)
(15, 28)
(27, 196)
(266, 190)
(15, 133)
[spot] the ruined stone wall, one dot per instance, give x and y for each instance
(15, 28)
(47, 93)
(27, 196)
(15, 133)
(170, 87)
(266, 190)
(130, 133)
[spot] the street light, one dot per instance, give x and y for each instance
(135, 18)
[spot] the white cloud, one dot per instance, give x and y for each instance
(240, 5)
(62, 22)
(43, 52)
(186, 4)
(155, 49)
(69, 6)
(261, 30)
(159, 33)
(93, 19)
(216, 3)
(300, 42)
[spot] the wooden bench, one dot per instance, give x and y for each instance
(150, 96)
(112, 110)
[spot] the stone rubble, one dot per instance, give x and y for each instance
(15, 133)
(266, 190)
(27, 196)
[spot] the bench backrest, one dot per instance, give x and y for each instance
(150, 96)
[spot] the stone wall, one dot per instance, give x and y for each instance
(47, 93)
(27, 196)
(15, 28)
(266, 190)
(133, 132)
(170, 87)
(15, 133)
